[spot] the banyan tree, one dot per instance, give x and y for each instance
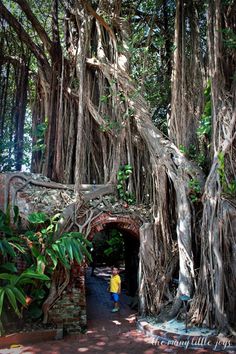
(74, 61)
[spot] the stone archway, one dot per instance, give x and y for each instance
(128, 225)
(70, 309)
(123, 222)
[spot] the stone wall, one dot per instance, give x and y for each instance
(69, 311)
(33, 193)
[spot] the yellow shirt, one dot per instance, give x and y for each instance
(115, 283)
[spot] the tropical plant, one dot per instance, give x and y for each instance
(205, 124)
(228, 186)
(115, 251)
(122, 183)
(12, 291)
(12, 285)
(195, 190)
(9, 243)
(48, 249)
(44, 250)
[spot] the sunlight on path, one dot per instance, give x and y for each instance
(107, 333)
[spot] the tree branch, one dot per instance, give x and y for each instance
(102, 22)
(35, 23)
(24, 36)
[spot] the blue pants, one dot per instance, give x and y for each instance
(115, 297)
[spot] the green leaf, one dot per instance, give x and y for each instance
(2, 293)
(56, 217)
(76, 251)
(68, 246)
(6, 276)
(103, 98)
(49, 229)
(35, 251)
(37, 218)
(108, 251)
(18, 247)
(26, 281)
(53, 257)
(30, 234)
(9, 266)
(86, 242)
(6, 230)
(16, 213)
(12, 299)
(56, 247)
(28, 273)
(62, 251)
(8, 249)
(20, 296)
(41, 262)
(86, 252)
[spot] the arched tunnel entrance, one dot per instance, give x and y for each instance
(113, 246)
(77, 307)
(115, 240)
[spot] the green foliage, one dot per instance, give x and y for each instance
(193, 154)
(35, 308)
(8, 242)
(228, 187)
(46, 251)
(110, 125)
(203, 133)
(229, 38)
(150, 48)
(12, 285)
(7, 162)
(12, 289)
(115, 251)
(195, 190)
(128, 113)
(37, 218)
(40, 136)
(104, 98)
(122, 180)
(205, 124)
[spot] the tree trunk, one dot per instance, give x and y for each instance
(21, 102)
(217, 274)
(187, 80)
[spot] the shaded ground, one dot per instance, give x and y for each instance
(107, 332)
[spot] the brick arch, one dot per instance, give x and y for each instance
(122, 222)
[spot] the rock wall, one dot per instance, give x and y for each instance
(33, 193)
(69, 311)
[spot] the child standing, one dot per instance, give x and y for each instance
(115, 288)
